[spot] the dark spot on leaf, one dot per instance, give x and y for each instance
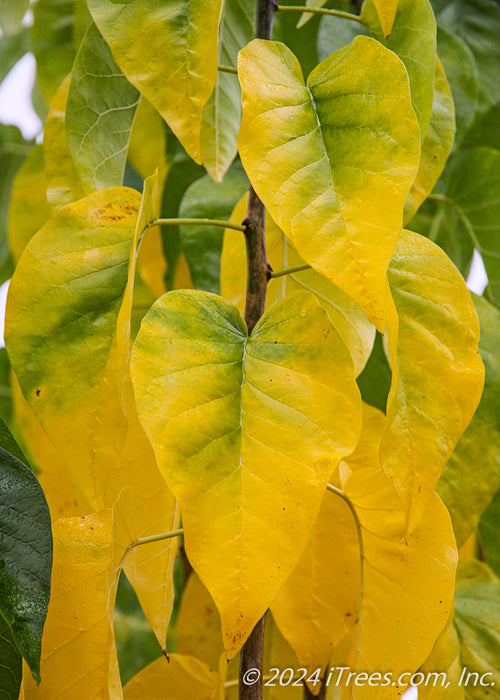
(38, 392)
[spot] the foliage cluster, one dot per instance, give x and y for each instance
(199, 460)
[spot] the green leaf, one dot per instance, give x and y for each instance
(8, 443)
(477, 23)
(244, 402)
(52, 43)
(5, 389)
(99, 115)
(11, 665)
(477, 620)
(306, 16)
(11, 15)
(12, 48)
(485, 131)
(462, 73)
(413, 39)
(490, 533)
(467, 491)
(335, 33)
(333, 161)
(222, 114)
(436, 145)
(169, 52)
(437, 374)
(202, 245)
(26, 556)
(302, 42)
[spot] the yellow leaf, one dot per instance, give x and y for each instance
(332, 160)
(198, 629)
(386, 10)
(169, 53)
(437, 371)
(78, 654)
(319, 602)
(63, 183)
(407, 582)
(353, 326)
(147, 148)
(28, 210)
(151, 262)
(245, 403)
(436, 145)
(182, 677)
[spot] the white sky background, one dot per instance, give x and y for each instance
(16, 108)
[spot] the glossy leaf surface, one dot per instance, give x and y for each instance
(25, 554)
(351, 323)
(169, 52)
(333, 161)
(235, 389)
(101, 108)
(424, 423)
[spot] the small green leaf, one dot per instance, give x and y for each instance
(11, 664)
(99, 114)
(202, 245)
(25, 556)
(375, 380)
(467, 491)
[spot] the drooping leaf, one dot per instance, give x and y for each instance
(462, 73)
(408, 582)
(333, 161)
(353, 326)
(169, 52)
(413, 39)
(306, 16)
(29, 209)
(181, 677)
(252, 400)
(100, 111)
(437, 371)
(490, 538)
(78, 652)
(222, 113)
(477, 23)
(202, 245)
(472, 475)
(52, 43)
(386, 11)
(319, 602)
(436, 145)
(477, 620)
(11, 666)
(198, 630)
(63, 182)
(25, 554)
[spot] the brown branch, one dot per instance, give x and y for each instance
(252, 653)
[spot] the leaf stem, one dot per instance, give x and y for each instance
(228, 69)
(196, 222)
(289, 271)
(320, 11)
(156, 538)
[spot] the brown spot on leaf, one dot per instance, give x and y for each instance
(38, 392)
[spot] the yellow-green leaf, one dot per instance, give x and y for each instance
(222, 113)
(147, 149)
(437, 371)
(28, 209)
(78, 654)
(413, 39)
(181, 677)
(443, 668)
(100, 111)
(306, 16)
(386, 11)
(436, 145)
(319, 602)
(219, 407)
(63, 183)
(353, 326)
(332, 160)
(169, 52)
